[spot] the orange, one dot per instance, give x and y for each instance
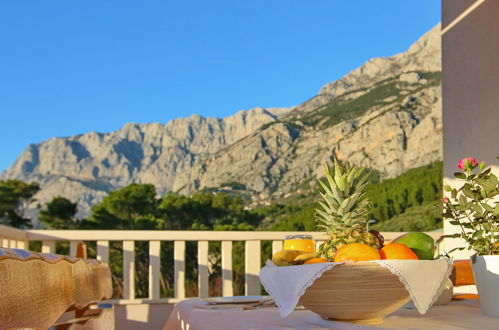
(356, 252)
(316, 261)
(397, 251)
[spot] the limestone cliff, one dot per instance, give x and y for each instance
(385, 115)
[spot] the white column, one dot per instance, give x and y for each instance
(48, 246)
(227, 286)
(128, 269)
(72, 248)
(22, 244)
(103, 251)
(203, 274)
(179, 269)
(276, 246)
(252, 268)
(4, 242)
(154, 264)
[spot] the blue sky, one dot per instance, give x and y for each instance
(70, 67)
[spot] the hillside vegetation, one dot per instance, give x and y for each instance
(408, 202)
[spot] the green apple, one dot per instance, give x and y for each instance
(422, 244)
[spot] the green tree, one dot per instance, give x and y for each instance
(181, 212)
(59, 214)
(121, 208)
(15, 197)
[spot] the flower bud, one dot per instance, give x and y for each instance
(468, 163)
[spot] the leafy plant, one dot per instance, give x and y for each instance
(471, 207)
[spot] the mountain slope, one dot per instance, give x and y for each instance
(384, 115)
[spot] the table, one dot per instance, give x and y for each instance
(462, 314)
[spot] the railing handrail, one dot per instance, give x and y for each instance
(13, 233)
(176, 235)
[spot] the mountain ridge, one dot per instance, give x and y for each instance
(270, 151)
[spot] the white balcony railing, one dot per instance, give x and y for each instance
(16, 238)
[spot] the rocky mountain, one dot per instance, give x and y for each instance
(385, 115)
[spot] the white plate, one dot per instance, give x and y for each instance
(236, 300)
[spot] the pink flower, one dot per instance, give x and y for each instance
(467, 163)
(445, 200)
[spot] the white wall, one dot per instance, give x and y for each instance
(470, 88)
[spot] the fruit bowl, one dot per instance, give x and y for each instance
(361, 292)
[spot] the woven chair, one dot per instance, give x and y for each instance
(37, 289)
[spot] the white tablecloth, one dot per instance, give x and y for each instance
(465, 314)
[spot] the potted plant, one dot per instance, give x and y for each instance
(474, 207)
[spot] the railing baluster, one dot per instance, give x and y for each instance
(129, 269)
(203, 269)
(103, 251)
(227, 287)
(48, 246)
(72, 248)
(22, 244)
(252, 267)
(154, 263)
(276, 246)
(179, 269)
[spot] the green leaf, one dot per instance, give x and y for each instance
(492, 194)
(458, 249)
(460, 175)
(489, 186)
(467, 225)
(493, 179)
(457, 235)
(337, 170)
(468, 193)
(478, 233)
(487, 207)
(447, 188)
(477, 208)
(483, 193)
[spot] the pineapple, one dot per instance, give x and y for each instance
(343, 210)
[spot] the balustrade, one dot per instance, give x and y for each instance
(15, 238)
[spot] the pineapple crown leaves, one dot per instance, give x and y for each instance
(344, 203)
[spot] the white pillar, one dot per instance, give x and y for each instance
(470, 89)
